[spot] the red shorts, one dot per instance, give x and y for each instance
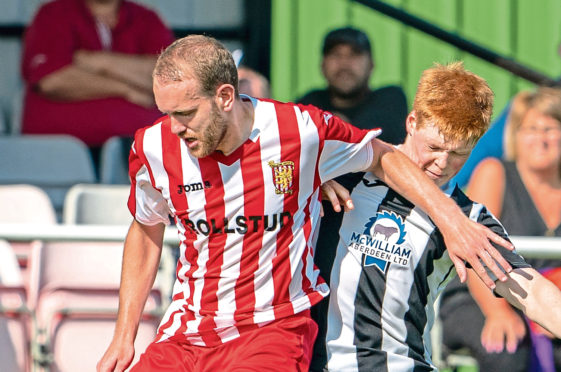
(283, 345)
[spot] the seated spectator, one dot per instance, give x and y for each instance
(253, 83)
(87, 65)
(347, 66)
(528, 181)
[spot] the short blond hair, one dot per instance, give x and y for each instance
(546, 101)
(457, 101)
(202, 56)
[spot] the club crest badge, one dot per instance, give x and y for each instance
(381, 243)
(283, 175)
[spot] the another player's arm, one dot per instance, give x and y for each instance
(503, 326)
(465, 239)
(141, 258)
(535, 295)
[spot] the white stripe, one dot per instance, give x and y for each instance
(230, 270)
(341, 352)
(270, 151)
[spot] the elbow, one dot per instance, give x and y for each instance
(49, 86)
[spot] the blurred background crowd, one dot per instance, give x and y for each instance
(75, 83)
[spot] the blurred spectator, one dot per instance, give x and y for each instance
(524, 192)
(87, 66)
(252, 83)
(347, 65)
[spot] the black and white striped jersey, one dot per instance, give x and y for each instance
(390, 266)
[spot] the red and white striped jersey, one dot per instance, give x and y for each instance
(247, 221)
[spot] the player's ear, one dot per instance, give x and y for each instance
(225, 96)
(411, 123)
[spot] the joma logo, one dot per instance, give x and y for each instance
(197, 186)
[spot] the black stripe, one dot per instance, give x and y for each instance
(369, 299)
(416, 318)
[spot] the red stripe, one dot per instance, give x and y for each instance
(334, 128)
(254, 205)
(289, 135)
(171, 158)
(215, 210)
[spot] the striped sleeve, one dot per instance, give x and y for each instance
(146, 203)
(345, 148)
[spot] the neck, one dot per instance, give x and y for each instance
(104, 10)
(240, 125)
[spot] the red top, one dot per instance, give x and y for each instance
(59, 29)
(247, 221)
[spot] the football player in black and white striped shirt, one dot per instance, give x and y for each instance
(391, 261)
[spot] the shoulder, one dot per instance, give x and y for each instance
(389, 91)
(138, 9)
(489, 170)
(54, 8)
(487, 184)
(314, 97)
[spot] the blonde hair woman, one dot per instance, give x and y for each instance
(524, 192)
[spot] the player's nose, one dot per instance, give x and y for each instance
(176, 126)
(442, 160)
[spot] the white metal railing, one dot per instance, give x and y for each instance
(536, 247)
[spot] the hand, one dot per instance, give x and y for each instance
(117, 358)
(466, 240)
(500, 327)
(337, 195)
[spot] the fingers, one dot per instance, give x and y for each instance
(328, 193)
(337, 195)
(511, 341)
(460, 268)
(482, 273)
(500, 241)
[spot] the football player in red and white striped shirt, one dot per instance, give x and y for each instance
(241, 178)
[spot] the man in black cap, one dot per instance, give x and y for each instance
(347, 65)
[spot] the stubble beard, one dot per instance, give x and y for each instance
(212, 136)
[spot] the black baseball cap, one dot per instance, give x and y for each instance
(346, 35)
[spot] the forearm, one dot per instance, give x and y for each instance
(140, 265)
(484, 297)
(405, 177)
(72, 83)
(538, 297)
(134, 70)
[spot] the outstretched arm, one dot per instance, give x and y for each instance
(503, 328)
(141, 257)
(466, 240)
(535, 295)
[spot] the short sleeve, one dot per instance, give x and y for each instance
(345, 149)
(146, 203)
(48, 43)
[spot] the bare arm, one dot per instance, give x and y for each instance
(141, 257)
(465, 239)
(536, 296)
(502, 323)
(134, 70)
(72, 83)
(487, 185)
